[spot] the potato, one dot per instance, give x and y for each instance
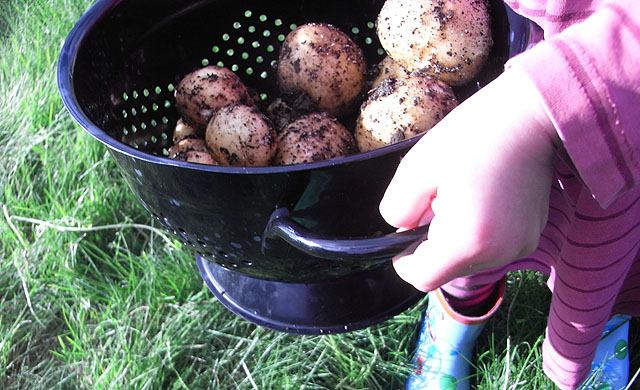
(387, 68)
(323, 62)
(314, 137)
(402, 108)
(242, 136)
(202, 92)
(192, 150)
(279, 113)
(183, 131)
(450, 39)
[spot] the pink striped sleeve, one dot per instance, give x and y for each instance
(589, 79)
(554, 15)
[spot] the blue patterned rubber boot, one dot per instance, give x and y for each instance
(446, 340)
(610, 367)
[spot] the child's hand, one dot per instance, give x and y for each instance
(481, 178)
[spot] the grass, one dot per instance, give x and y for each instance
(94, 296)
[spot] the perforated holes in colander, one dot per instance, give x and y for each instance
(203, 246)
(145, 118)
(251, 46)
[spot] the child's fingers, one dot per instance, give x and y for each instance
(444, 256)
(406, 202)
(428, 267)
(414, 270)
(432, 262)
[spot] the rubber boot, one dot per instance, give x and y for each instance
(445, 344)
(610, 367)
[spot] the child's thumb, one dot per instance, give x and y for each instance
(429, 266)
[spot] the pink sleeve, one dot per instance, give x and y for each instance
(589, 79)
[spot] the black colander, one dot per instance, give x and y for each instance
(296, 248)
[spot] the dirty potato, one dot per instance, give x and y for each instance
(242, 136)
(313, 137)
(202, 92)
(402, 108)
(192, 150)
(323, 62)
(450, 39)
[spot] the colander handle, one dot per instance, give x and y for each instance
(281, 227)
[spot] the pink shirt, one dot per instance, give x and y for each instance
(588, 74)
(593, 92)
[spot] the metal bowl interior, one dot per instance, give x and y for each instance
(117, 73)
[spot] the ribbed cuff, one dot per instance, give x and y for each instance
(473, 320)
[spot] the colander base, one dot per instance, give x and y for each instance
(335, 306)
